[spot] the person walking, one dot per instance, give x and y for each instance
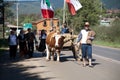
(85, 37)
(42, 39)
(30, 37)
(12, 40)
(22, 43)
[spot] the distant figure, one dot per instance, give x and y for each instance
(64, 29)
(42, 38)
(12, 39)
(22, 44)
(30, 37)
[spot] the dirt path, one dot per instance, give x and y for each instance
(24, 69)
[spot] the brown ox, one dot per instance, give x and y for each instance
(54, 44)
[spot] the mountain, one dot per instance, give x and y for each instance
(111, 4)
(27, 7)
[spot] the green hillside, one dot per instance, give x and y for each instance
(111, 4)
(34, 7)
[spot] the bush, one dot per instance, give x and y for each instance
(109, 34)
(3, 43)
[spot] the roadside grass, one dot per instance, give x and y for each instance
(108, 44)
(3, 46)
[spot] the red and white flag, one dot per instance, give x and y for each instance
(46, 9)
(74, 6)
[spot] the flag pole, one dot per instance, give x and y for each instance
(64, 10)
(17, 15)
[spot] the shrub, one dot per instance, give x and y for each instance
(110, 34)
(3, 43)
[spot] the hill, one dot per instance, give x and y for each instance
(111, 4)
(34, 7)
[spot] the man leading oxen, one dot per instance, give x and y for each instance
(54, 44)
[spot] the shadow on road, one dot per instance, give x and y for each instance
(66, 58)
(11, 70)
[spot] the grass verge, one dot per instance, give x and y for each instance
(3, 46)
(105, 43)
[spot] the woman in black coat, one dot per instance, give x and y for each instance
(42, 38)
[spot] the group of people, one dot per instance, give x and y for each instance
(25, 42)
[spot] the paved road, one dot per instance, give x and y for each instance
(37, 68)
(111, 53)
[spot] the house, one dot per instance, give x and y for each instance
(105, 22)
(14, 27)
(46, 24)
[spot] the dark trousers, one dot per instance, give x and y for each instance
(13, 51)
(22, 49)
(30, 49)
(42, 45)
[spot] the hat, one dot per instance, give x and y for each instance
(87, 23)
(29, 29)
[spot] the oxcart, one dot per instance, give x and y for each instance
(70, 44)
(69, 40)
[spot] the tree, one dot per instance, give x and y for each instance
(27, 18)
(59, 14)
(8, 12)
(90, 11)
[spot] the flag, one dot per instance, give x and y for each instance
(46, 9)
(73, 6)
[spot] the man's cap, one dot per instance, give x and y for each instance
(87, 23)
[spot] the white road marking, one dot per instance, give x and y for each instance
(107, 59)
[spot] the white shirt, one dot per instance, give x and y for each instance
(43, 36)
(84, 36)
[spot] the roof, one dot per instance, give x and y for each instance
(41, 20)
(13, 26)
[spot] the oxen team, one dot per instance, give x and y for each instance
(54, 44)
(55, 41)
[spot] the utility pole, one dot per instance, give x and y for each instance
(101, 9)
(64, 11)
(17, 5)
